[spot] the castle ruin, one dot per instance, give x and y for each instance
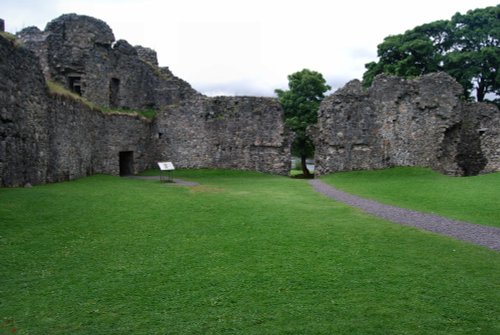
(398, 122)
(46, 136)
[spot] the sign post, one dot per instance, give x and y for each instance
(169, 168)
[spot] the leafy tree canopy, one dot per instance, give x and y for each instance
(467, 47)
(301, 102)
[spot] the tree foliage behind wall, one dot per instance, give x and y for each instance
(467, 47)
(301, 102)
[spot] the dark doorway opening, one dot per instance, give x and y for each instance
(114, 93)
(462, 146)
(75, 84)
(126, 163)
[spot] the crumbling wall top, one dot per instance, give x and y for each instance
(432, 86)
(405, 122)
(147, 54)
(81, 30)
(31, 33)
(125, 48)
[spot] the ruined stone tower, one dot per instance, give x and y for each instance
(397, 122)
(48, 137)
(80, 53)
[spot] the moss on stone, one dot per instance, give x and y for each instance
(12, 38)
(58, 89)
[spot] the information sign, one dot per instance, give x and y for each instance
(166, 166)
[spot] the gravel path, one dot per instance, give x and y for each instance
(474, 233)
(176, 180)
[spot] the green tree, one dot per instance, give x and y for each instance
(301, 102)
(467, 47)
(408, 55)
(474, 57)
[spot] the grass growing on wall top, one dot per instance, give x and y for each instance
(473, 199)
(241, 253)
(146, 113)
(56, 88)
(11, 38)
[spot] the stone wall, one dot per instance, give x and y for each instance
(226, 132)
(23, 136)
(191, 130)
(80, 53)
(397, 122)
(84, 141)
(48, 138)
(481, 153)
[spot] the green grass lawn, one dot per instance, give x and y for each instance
(473, 199)
(242, 253)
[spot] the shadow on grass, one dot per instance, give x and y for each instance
(302, 176)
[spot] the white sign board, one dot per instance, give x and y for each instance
(166, 166)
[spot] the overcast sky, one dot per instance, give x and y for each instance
(248, 47)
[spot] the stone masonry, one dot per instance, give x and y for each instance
(226, 132)
(80, 53)
(397, 122)
(48, 137)
(23, 117)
